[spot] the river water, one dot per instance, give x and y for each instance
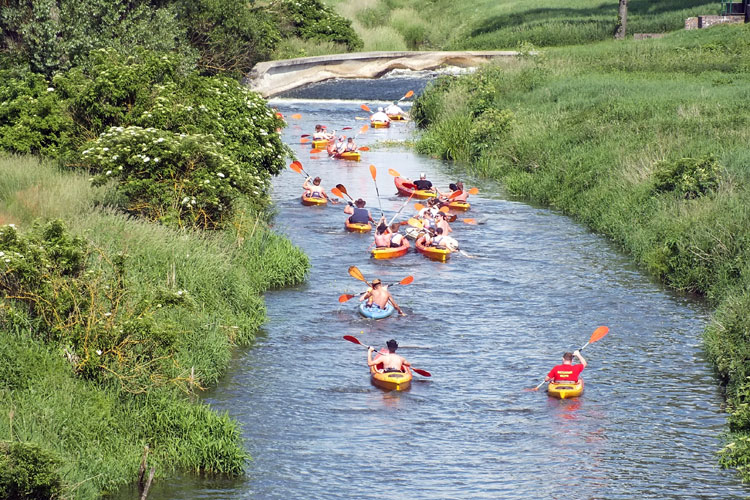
(487, 326)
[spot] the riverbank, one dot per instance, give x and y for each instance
(643, 141)
(183, 300)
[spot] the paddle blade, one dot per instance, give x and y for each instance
(409, 279)
(356, 273)
(424, 373)
(373, 172)
(341, 188)
(472, 222)
(364, 148)
(598, 333)
(337, 192)
(415, 223)
(407, 95)
(296, 166)
(343, 298)
(315, 151)
(352, 339)
(366, 108)
(454, 194)
(393, 173)
(304, 140)
(418, 207)
(297, 116)
(445, 210)
(451, 217)
(346, 128)
(473, 191)
(305, 135)
(364, 129)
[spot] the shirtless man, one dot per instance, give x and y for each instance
(380, 116)
(350, 146)
(393, 109)
(358, 213)
(392, 362)
(442, 223)
(464, 194)
(382, 236)
(379, 296)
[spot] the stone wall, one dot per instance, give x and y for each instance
(692, 23)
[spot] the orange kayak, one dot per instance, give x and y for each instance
(357, 227)
(348, 155)
(391, 253)
(406, 188)
(432, 253)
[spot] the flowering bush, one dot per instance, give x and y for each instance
(689, 177)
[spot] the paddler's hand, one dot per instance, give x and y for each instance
(370, 349)
(401, 313)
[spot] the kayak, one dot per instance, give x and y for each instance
(320, 144)
(357, 227)
(565, 390)
(459, 205)
(432, 253)
(380, 124)
(375, 312)
(392, 381)
(313, 201)
(348, 155)
(391, 253)
(397, 118)
(420, 194)
(413, 232)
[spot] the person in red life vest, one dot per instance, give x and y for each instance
(567, 371)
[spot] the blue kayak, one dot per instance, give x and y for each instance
(375, 312)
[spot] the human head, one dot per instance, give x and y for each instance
(439, 230)
(341, 137)
(318, 128)
(380, 108)
(568, 356)
(460, 185)
(351, 139)
(392, 345)
(453, 187)
(381, 228)
(360, 203)
(422, 175)
(316, 181)
(432, 202)
(395, 227)
(440, 214)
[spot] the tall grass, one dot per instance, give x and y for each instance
(592, 125)
(99, 432)
(503, 24)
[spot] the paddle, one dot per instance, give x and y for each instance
(357, 274)
(343, 298)
(305, 135)
(418, 207)
(350, 338)
(341, 188)
(366, 108)
(297, 167)
(473, 190)
(297, 116)
(402, 207)
(315, 151)
(406, 96)
(337, 192)
(345, 128)
(471, 222)
(364, 148)
(598, 334)
(394, 173)
(373, 172)
(415, 223)
(304, 140)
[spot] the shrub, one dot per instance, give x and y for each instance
(688, 177)
(32, 115)
(28, 471)
(313, 20)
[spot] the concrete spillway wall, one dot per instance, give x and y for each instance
(273, 77)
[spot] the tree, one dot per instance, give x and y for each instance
(622, 20)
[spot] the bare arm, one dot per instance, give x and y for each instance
(577, 354)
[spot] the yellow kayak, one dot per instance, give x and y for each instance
(459, 205)
(565, 390)
(348, 155)
(379, 124)
(357, 227)
(313, 201)
(320, 144)
(391, 381)
(433, 253)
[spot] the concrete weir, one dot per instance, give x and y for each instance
(273, 77)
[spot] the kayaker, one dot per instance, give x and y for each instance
(442, 223)
(567, 371)
(464, 194)
(315, 190)
(431, 208)
(393, 109)
(397, 239)
(319, 135)
(423, 184)
(382, 236)
(350, 146)
(340, 145)
(379, 296)
(380, 116)
(392, 362)
(358, 213)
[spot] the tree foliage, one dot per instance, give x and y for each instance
(313, 20)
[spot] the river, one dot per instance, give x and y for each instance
(487, 326)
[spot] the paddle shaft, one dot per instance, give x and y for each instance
(402, 207)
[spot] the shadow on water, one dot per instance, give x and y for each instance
(487, 328)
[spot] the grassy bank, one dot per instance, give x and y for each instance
(646, 142)
(197, 292)
(497, 25)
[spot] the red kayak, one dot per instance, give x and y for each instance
(406, 188)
